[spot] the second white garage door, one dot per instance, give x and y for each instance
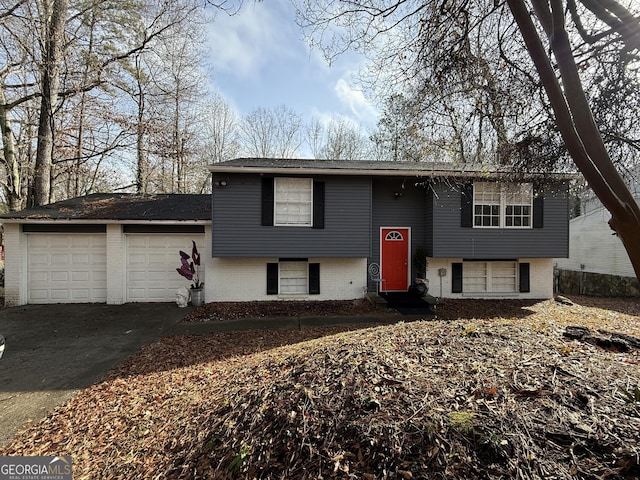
(152, 260)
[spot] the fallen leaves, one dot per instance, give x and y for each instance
(499, 393)
(217, 311)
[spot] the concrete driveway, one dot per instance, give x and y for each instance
(52, 351)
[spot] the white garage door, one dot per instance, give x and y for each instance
(66, 268)
(152, 260)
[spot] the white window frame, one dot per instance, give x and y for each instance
(293, 278)
(508, 198)
(488, 277)
(284, 199)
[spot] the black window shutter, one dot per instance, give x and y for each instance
(538, 207)
(314, 279)
(466, 205)
(267, 202)
(318, 204)
(456, 278)
(525, 283)
(272, 278)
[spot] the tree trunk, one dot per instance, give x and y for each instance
(13, 184)
(52, 63)
(575, 121)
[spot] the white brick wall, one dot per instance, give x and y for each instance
(116, 264)
(15, 265)
(541, 280)
(245, 279)
(16, 244)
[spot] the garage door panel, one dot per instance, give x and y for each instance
(80, 259)
(38, 260)
(66, 268)
(136, 260)
(100, 277)
(160, 259)
(80, 242)
(59, 276)
(38, 277)
(59, 258)
(39, 241)
(136, 277)
(161, 241)
(59, 295)
(136, 241)
(152, 260)
(63, 242)
(80, 276)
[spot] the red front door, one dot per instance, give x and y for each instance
(395, 259)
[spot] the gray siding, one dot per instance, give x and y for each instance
(237, 229)
(409, 210)
(452, 240)
(428, 218)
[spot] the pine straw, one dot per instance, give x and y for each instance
(501, 396)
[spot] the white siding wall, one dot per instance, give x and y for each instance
(593, 248)
(15, 263)
(245, 279)
(541, 280)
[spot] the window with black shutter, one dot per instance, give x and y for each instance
(456, 277)
(292, 201)
(525, 277)
(538, 211)
(318, 205)
(272, 278)
(314, 279)
(267, 202)
(466, 206)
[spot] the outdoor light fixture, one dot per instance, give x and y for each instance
(220, 183)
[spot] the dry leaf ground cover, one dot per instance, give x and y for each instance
(489, 390)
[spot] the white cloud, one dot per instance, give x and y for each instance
(355, 101)
(244, 43)
(259, 59)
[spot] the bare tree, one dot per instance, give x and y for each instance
(179, 86)
(562, 39)
(59, 49)
(272, 132)
(398, 136)
(220, 123)
(571, 107)
(344, 141)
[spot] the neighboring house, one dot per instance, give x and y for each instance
(594, 248)
(596, 251)
(309, 229)
(106, 248)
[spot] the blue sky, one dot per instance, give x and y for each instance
(258, 58)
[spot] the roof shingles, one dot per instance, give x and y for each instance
(121, 206)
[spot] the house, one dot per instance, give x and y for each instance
(310, 229)
(598, 263)
(104, 248)
(298, 229)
